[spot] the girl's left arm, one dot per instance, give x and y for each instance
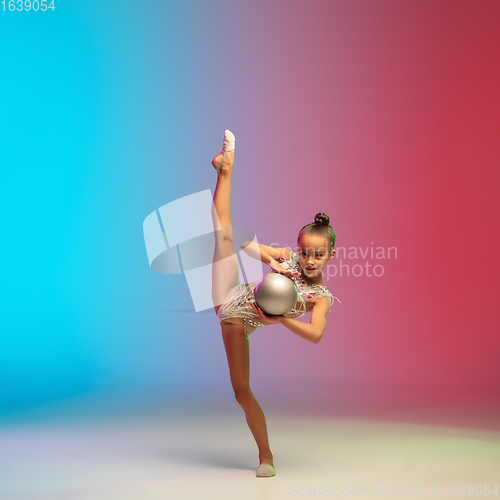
(315, 329)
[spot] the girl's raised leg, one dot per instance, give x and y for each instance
(225, 267)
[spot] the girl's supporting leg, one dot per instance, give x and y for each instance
(237, 351)
(225, 268)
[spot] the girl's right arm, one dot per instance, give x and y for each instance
(268, 255)
(263, 252)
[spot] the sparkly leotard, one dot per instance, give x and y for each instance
(239, 299)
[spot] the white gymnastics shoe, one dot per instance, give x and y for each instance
(227, 147)
(229, 141)
(266, 470)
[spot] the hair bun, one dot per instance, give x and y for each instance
(322, 219)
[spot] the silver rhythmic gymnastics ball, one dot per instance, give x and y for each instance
(275, 294)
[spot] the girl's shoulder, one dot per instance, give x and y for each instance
(289, 256)
(289, 260)
(321, 291)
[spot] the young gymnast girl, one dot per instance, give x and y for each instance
(234, 303)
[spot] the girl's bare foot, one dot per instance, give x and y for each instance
(223, 162)
(225, 159)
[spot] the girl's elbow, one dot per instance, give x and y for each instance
(318, 337)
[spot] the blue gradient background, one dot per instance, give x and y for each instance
(384, 115)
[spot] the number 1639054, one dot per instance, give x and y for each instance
(27, 5)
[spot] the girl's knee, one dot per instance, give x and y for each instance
(243, 395)
(227, 235)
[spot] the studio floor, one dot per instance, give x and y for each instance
(97, 448)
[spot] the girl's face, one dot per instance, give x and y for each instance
(314, 254)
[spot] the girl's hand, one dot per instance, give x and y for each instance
(275, 266)
(263, 317)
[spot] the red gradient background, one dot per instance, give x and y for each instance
(385, 116)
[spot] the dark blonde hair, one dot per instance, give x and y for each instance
(320, 227)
